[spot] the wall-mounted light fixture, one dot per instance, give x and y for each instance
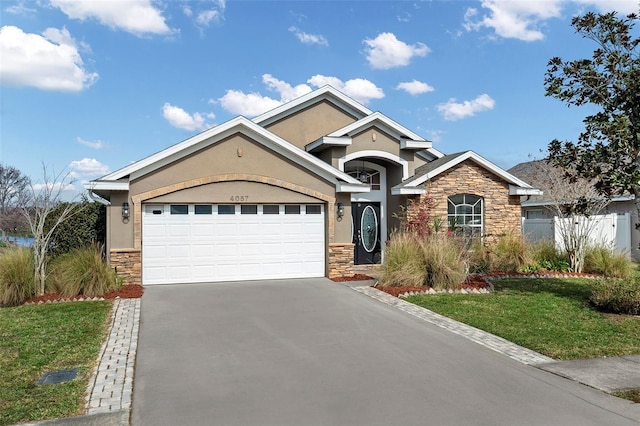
(125, 210)
(340, 211)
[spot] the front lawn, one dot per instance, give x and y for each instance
(549, 316)
(35, 339)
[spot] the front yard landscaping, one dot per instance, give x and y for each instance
(37, 339)
(551, 316)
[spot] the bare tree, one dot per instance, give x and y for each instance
(14, 193)
(573, 203)
(45, 198)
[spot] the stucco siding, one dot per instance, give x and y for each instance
(119, 230)
(311, 123)
(222, 192)
(237, 154)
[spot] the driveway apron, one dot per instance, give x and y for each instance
(314, 352)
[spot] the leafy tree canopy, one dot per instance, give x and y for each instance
(608, 150)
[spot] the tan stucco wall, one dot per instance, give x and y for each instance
(215, 174)
(343, 226)
(311, 124)
(221, 192)
(394, 176)
(223, 158)
(119, 231)
(501, 210)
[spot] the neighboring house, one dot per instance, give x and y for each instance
(538, 206)
(308, 189)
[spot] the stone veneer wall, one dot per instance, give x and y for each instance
(128, 264)
(501, 211)
(340, 259)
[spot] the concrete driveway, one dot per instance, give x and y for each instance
(313, 352)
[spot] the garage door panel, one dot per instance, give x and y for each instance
(217, 247)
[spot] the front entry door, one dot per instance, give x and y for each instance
(366, 232)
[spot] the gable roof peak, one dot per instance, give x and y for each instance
(326, 92)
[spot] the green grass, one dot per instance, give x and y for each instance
(35, 339)
(550, 316)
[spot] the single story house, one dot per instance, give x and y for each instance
(538, 206)
(308, 189)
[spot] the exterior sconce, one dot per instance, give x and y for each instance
(340, 210)
(125, 210)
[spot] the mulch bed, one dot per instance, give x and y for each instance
(476, 281)
(355, 277)
(472, 282)
(131, 291)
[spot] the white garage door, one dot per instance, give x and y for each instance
(187, 243)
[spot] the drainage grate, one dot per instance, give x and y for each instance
(52, 377)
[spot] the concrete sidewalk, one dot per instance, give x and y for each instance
(607, 374)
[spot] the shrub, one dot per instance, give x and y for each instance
(447, 261)
(404, 263)
(605, 261)
(16, 276)
(87, 225)
(545, 256)
(617, 296)
(83, 271)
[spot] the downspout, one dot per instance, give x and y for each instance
(98, 199)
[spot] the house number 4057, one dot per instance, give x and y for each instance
(239, 198)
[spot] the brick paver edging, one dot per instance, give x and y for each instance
(111, 386)
(498, 344)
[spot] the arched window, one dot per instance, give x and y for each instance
(465, 213)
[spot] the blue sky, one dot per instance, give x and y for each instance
(91, 86)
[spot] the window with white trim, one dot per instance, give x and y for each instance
(465, 213)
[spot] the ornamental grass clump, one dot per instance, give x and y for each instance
(605, 261)
(16, 276)
(446, 261)
(510, 253)
(618, 296)
(404, 262)
(83, 271)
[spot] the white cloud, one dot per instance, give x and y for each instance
(360, 89)
(623, 6)
(54, 187)
(415, 87)
(309, 38)
(253, 104)
(514, 19)
(19, 9)
(386, 51)
(91, 144)
(49, 62)
(247, 104)
(452, 110)
(205, 17)
(287, 92)
(87, 168)
(137, 17)
(181, 119)
(213, 13)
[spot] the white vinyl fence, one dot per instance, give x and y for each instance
(610, 229)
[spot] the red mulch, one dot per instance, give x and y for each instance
(355, 277)
(131, 291)
(473, 281)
